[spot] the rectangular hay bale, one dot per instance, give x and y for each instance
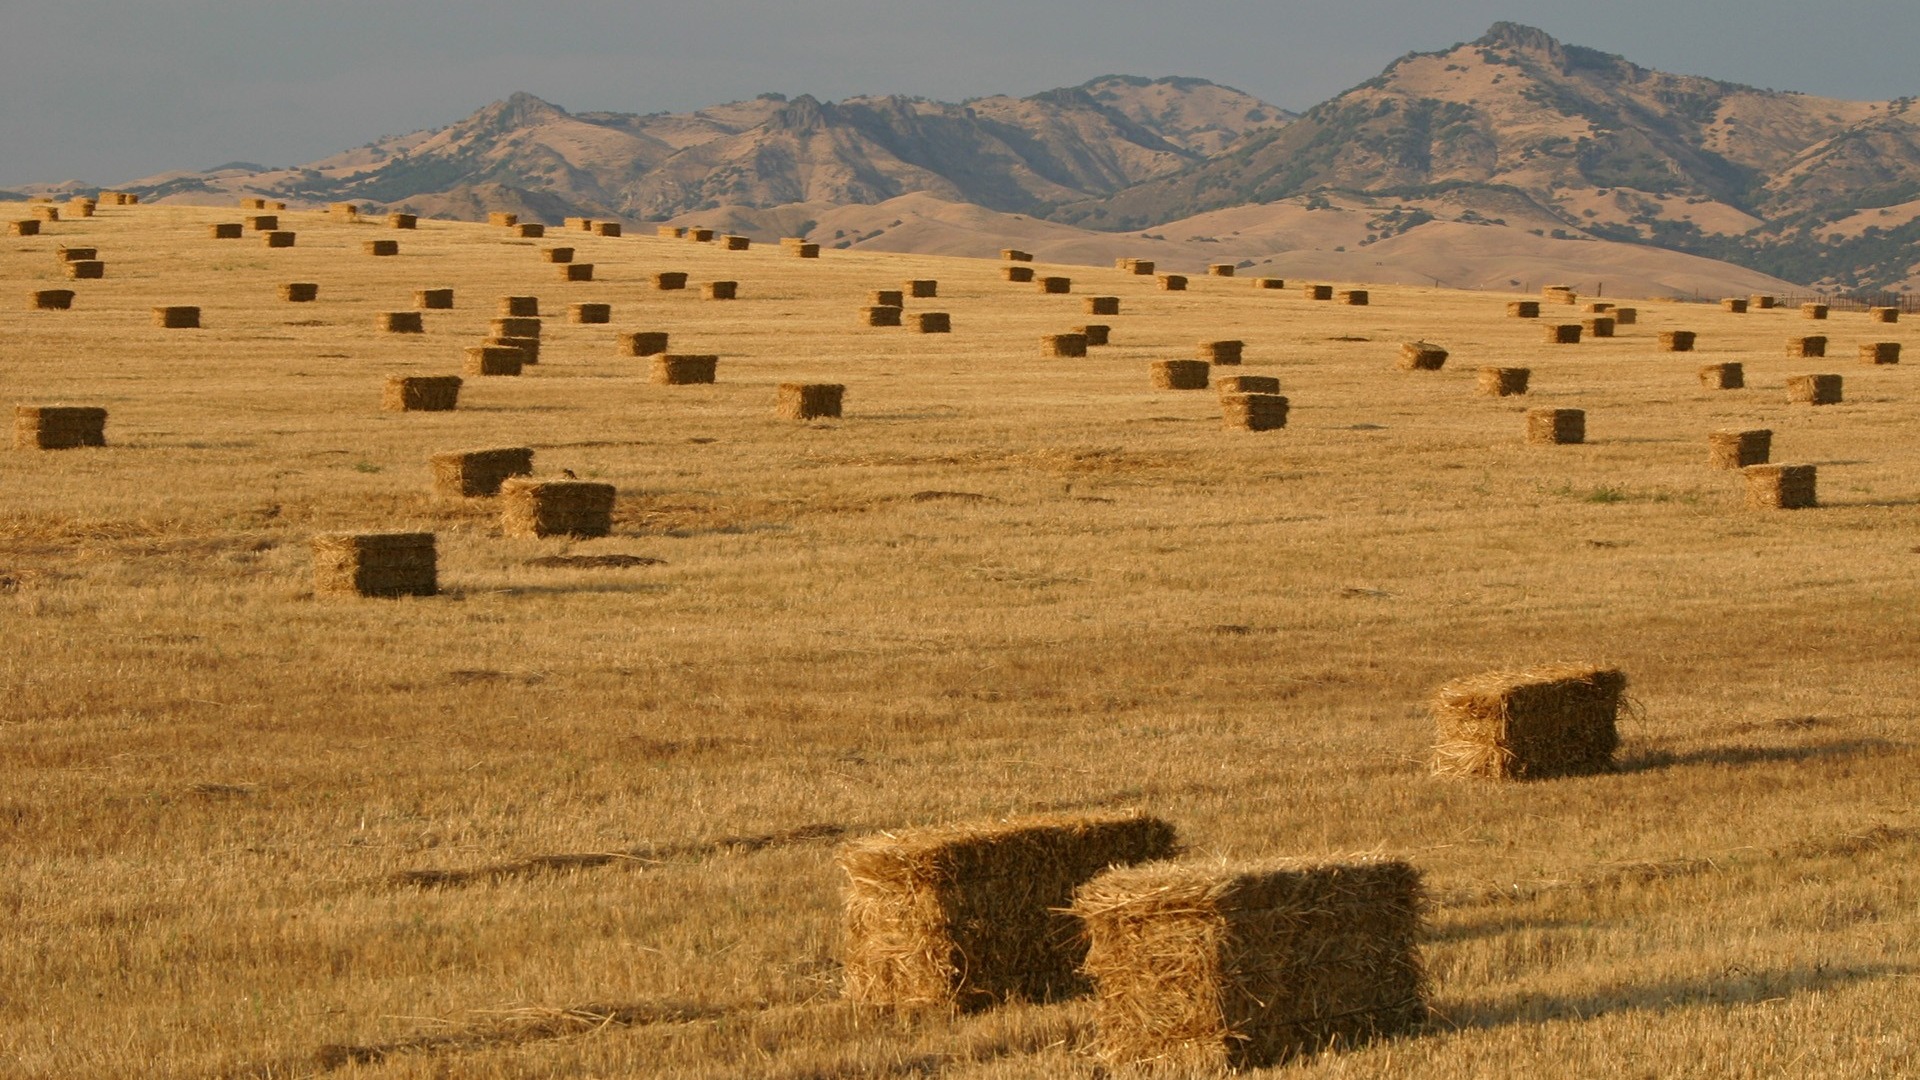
(1739, 449)
(591, 314)
(1063, 345)
(58, 427)
(1523, 309)
(669, 281)
(421, 393)
(375, 564)
(1103, 305)
(1173, 282)
(721, 290)
(1180, 374)
(1056, 285)
(1557, 427)
(1253, 412)
(178, 317)
(494, 360)
(50, 299)
(1528, 725)
(1880, 352)
(1221, 352)
(1814, 389)
(300, 292)
(537, 508)
(883, 315)
(922, 288)
(1801, 348)
(401, 322)
(577, 272)
(1730, 376)
(810, 401)
(87, 270)
(934, 322)
(474, 474)
(683, 369)
(1422, 356)
(1021, 275)
(1248, 384)
(520, 307)
(644, 342)
(1503, 381)
(433, 299)
(1781, 487)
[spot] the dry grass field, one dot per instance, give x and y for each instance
(579, 821)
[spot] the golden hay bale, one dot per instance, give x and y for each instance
(606, 228)
(922, 288)
(972, 916)
(271, 206)
(1814, 389)
(887, 298)
(810, 401)
(1599, 307)
(87, 270)
(226, 230)
(1781, 487)
(421, 393)
(375, 564)
(1103, 305)
(278, 239)
(1503, 381)
(591, 314)
(473, 474)
(1181, 374)
(1269, 283)
(515, 326)
(494, 359)
(1200, 969)
(1220, 269)
(1355, 297)
(1318, 292)
(579, 224)
(1248, 384)
(577, 272)
(558, 255)
(700, 236)
(1626, 316)
(1015, 255)
(669, 280)
(669, 232)
(1723, 377)
(58, 427)
(1735, 304)
(1884, 314)
(1523, 309)
(1803, 347)
(253, 204)
(1814, 311)
(805, 251)
(1221, 352)
(503, 219)
(721, 290)
(535, 508)
(1677, 340)
(1137, 267)
(401, 322)
(644, 343)
(530, 230)
(1422, 356)
(883, 315)
(50, 299)
(1761, 302)
(1739, 449)
(529, 347)
(1559, 294)
(80, 208)
(433, 299)
(76, 254)
(1528, 725)
(1067, 345)
(1880, 352)
(45, 213)
(1173, 282)
(300, 292)
(177, 318)
(935, 322)
(1253, 412)
(344, 211)
(1599, 326)
(1018, 274)
(736, 243)
(520, 307)
(1563, 333)
(1095, 333)
(682, 369)
(23, 228)
(403, 221)
(1556, 427)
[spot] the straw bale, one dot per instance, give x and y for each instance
(737, 243)
(558, 254)
(433, 299)
(1599, 307)
(1181, 374)
(1523, 309)
(606, 228)
(1761, 302)
(1803, 347)
(644, 343)
(935, 322)
(1677, 340)
(1319, 292)
(1723, 377)
(1103, 305)
(87, 270)
(669, 281)
(535, 508)
(300, 292)
(226, 230)
(1355, 297)
(700, 236)
(972, 916)
(80, 208)
(577, 272)
(1220, 269)
(1269, 283)
(810, 401)
(487, 360)
(529, 230)
(1221, 352)
(402, 322)
(579, 224)
(922, 288)
(76, 254)
(253, 204)
(176, 318)
(1880, 352)
(1528, 725)
(1884, 314)
(50, 299)
(1248, 384)
(520, 307)
(1626, 316)
(1201, 969)
(1814, 311)
(1735, 304)
(669, 232)
(1504, 381)
(883, 315)
(271, 205)
(1738, 449)
(721, 290)
(1253, 412)
(375, 564)
(1781, 487)
(1096, 333)
(1137, 267)
(591, 314)
(1599, 326)
(1422, 356)
(421, 393)
(403, 221)
(1015, 255)
(681, 369)
(1018, 274)
(344, 211)
(1814, 389)
(529, 347)
(23, 228)
(45, 213)
(1559, 294)
(1563, 333)
(1173, 282)
(512, 326)
(58, 427)
(805, 251)
(1556, 426)
(471, 474)
(1068, 345)
(503, 218)
(887, 298)
(277, 239)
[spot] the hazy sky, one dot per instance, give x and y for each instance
(111, 91)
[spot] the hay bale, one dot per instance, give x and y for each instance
(1814, 311)
(922, 288)
(1677, 340)
(669, 281)
(529, 347)
(177, 318)
(503, 218)
(1318, 292)
(520, 307)
(1063, 345)
(681, 369)
(935, 322)
(80, 208)
(1739, 449)
(720, 290)
(401, 322)
(87, 270)
(277, 239)
(433, 299)
(1723, 377)
(1563, 333)
(515, 327)
(1096, 333)
(344, 211)
(1209, 968)
(1556, 427)
(1599, 326)
(644, 343)
(1248, 384)
(1138, 267)
(1559, 294)
(810, 401)
(473, 474)
(403, 221)
(253, 204)
(578, 224)
(606, 228)
(972, 916)
(1173, 282)
(1221, 352)
(1626, 316)
(577, 272)
(700, 236)
(1253, 412)
(530, 230)
(58, 427)
(736, 243)
(226, 230)
(421, 393)
(887, 298)
(883, 315)
(300, 292)
(1103, 305)
(591, 314)
(45, 213)
(1814, 389)
(76, 254)
(1181, 374)
(50, 299)
(1220, 269)
(805, 251)
(1422, 356)
(558, 255)
(669, 232)
(1017, 274)
(1528, 725)
(1523, 309)
(1599, 307)
(1880, 352)
(1800, 348)
(494, 359)
(1269, 283)
(1504, 381)
(536, 508)
(1781, 487)
(1015, 255)
(1761, 302)
(1884, 314)
(1734, 304)
(271, 205)
(23, 228)
(375, 564)
(1355, 297)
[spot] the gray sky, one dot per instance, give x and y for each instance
(111, 91)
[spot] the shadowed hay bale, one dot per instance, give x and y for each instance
(606, 228)
(421, 393)
(503, 219)
(1504, 381)
(1422, 356)
(276, 206)
(1173, 282)
(1138, 267)
(1803, 347)
(1095, 333)
(1253, 412)
(1015, 255)
(1677, 340)
(1739, 449)
(1884, 314)
(577, 272)
(682, 369)
(644, 343)
(494, 360)
(433, 299)
(1221, 352)
(888, 298)
(51, 299)
(1559, 294)
(1625, 316)
(1220, 269)
(45, 213)
(700, 236)
(530, 230)
(300, 292)
(403, 221)
(591, 314)
(1599, 307)
(578, 224)
(1017, 274)
(1599, 326)
(1814, 311)
(1181, 374)
(76, 254)
(1735, 304)
(935, 322)
(277, 239)
(375, 564)
(23, 228)
(177, 318)
(810, 401)
(1563, 333)
(1269, 283)
(1248, 384)
(1221, 967)
(529, 347)
(736, 243)
(1103, 305)
(558, 255)
(1723, 377)
(669, 280)
(402, 322)
(80, 208)
(1761, 302)
(1781, 487)
(805, 251)
(1056, 285)
(1556, 427)
(721, 290)
(515, 326)
(1318, 292)
(972, 916)
(520, 307)
(534, 508)
(883, 315)
(253, 204)
(472, 474)
(87, 270)
(1528, 725)
(1063, 345)
(226, 230)
(1880, 352)
(344, 211)
(1523, 309)
(922, 288)
(1355, 298)
(263, 222)
(1814, 389)
(669, 232)
(58, 427)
